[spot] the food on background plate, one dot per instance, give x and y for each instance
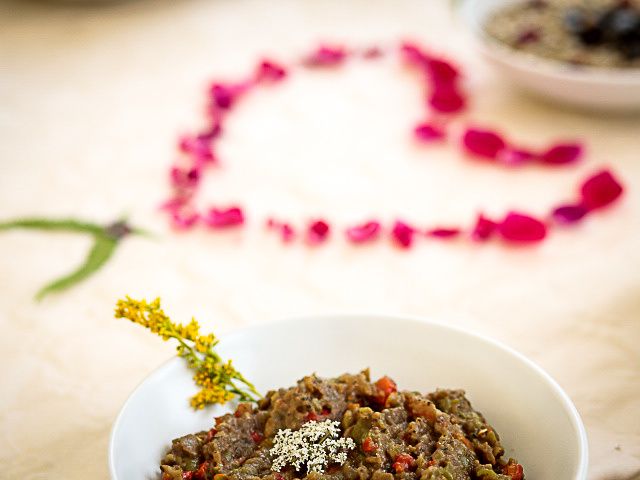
(345, 428)
(600, 33)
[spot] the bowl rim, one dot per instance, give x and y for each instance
(559, 393)
(527, 61)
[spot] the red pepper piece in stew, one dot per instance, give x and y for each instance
(514, 470)
(368, 445)
(403, 463)
(385, 387)
(201, 472)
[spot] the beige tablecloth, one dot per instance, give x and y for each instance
(91, 101)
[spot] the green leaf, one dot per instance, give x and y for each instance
(60, 225)
(102, 250)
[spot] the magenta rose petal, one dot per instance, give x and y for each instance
(318, 232)
(365, 232)
(428, 132)
(483, 229)
(444, 233)
(211, 133)
(223, 96)
(562, 153)
(181, 220)
(285, 230)
(176, 203)
(515, 157)
(447, 100)
(200, 145)
(326, 56)
(600, 190)
(442, 72)
(372, 53)
(269, 71)
(483, 143)
(520, 228)
(402, 234)
(569, 214)
(287, 233)
(217, 218)
(184, 178)
(414, 55)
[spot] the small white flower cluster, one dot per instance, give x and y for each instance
(315, 445)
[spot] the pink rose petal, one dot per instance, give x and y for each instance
(211, 133)
(184, 178)
(215, 113)
(372, 53)
(402, 234)
(224, 217)
(318, 232)
(325, 56)
(176, 203)
(414, 55)
(428, 132)
(562, 153)
(364, 233)
(483, 229)
(600, 190)
(447, 100)
(444, 233)
(568, 214)
(223, 96)
(199, 147)
(270, 71)
(184, 220)
(483, 143)
(521, 228)
(286, 231)
(515, 157)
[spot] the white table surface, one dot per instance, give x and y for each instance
(91, 101)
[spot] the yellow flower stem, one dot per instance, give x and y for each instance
(218, 380)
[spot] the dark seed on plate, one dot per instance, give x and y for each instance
(591, 36)
(528, 36)
(538, 4)
(631, 49)
(576, 20)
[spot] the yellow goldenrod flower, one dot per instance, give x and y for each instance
(220, 381)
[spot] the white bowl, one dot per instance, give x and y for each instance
(536, 420)
(586, 87)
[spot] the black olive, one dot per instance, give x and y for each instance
(630, 48)
(619, 22)
(591, 36)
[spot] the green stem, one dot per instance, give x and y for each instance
(249, 385)
(191, 354)
(59, 225)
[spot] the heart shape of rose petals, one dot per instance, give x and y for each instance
(444, 99)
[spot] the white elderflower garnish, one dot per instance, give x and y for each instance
(314, 446)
